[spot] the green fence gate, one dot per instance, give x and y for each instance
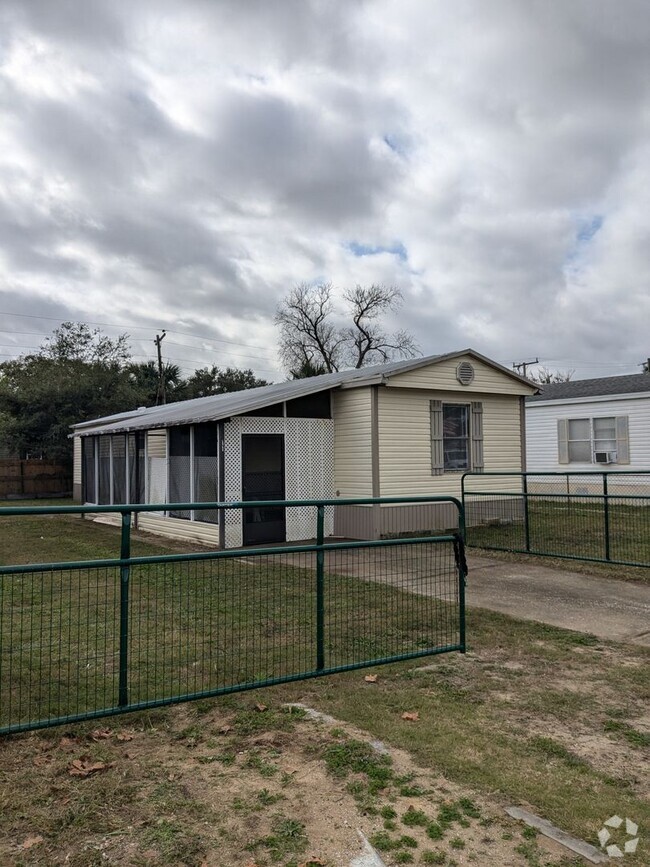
(599, 516)
(92, 638)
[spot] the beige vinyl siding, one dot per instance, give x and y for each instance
(405, 443)
(157, 443)
(176, 528)
(442, 375)
(156, 466)
(352, 445)
(173, 528)
(76, 461)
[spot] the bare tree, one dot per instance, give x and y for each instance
(365, 340)
(307, 334)
(546, 376)
(310, 339)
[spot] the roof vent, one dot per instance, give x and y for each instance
(465, 373)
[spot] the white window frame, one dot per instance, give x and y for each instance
(592, 438)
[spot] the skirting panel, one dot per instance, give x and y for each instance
(385, 522)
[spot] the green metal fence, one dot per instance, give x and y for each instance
(93, 638)
(598, 516)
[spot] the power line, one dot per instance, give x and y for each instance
(183, 361)
(137, 327)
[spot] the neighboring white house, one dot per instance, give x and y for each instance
(398, 429)
(590, 425)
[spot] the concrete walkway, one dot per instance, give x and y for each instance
(610, 609)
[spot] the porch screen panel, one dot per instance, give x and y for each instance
(104, 444)
(135, 450)
(179, 469)
(140, 474)
(89, 490)
(119, 468)
(206, 470)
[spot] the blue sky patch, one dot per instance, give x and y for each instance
(358, 249)
(588, 228)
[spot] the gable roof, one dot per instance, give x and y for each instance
(633, 383)
(221, 406)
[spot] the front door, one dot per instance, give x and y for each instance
(263, 479)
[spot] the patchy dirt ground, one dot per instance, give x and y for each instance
(240, 784)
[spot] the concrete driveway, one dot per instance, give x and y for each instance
(616, 610)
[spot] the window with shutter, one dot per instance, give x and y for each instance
(599, 440)
(437, 458)
(477, 437)
(456, 437)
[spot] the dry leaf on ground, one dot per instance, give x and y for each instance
(261, 707)
(412, 716)
(124, 736)
(38, 761)
(101, 734)
(68, 742)
(32, 841)
(369, 678)
(84, 767)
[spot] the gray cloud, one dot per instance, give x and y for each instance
(181, 166)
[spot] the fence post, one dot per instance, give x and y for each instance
(125, 570)
(461, 566)
(320, 588)
(526, 516)
(606, 515)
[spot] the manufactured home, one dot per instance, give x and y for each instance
(398, 429)
(590, 425)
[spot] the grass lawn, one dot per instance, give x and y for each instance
(571, 529)
(552, 720)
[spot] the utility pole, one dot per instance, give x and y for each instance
(160, 392)
(523, 365)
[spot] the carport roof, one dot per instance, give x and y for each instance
(222, 406)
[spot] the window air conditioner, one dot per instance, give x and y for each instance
(605, 457)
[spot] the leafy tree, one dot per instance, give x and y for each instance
(75, 341)
(77, 374)
(211, 380)
(144, 377)
(312, 339)
(80, 374)
(307, 369)
(545, 376)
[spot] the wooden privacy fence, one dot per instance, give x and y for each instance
(33, 479)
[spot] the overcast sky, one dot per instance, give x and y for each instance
(182, 165)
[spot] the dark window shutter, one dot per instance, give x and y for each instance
(563, 441)
(477, 464)
(437, 451)
(622, 440)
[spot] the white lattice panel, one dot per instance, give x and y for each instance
(309, 475)
(233, 531)
(309, 470)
